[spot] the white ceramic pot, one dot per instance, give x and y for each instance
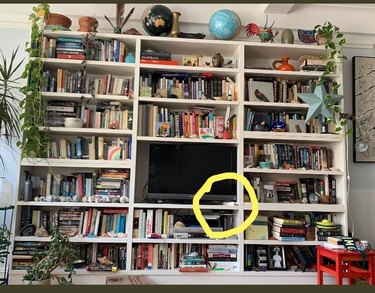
(6, 193)
(73, 122)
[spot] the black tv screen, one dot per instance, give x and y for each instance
(177, 171)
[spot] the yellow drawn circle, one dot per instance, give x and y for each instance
(206, 187)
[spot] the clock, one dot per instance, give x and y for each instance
(314, 198)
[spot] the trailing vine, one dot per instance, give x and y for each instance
(335, 42)
(34, 140)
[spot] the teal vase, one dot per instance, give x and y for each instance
(287, 36)
(130, 58)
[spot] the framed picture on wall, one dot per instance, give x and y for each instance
(363, 109)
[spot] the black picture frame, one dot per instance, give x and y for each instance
(364, 107)
(276, 257)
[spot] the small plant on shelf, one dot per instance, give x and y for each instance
(59, 252)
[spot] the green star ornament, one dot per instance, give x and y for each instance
(318, 102)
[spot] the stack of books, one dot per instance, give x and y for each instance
(288, 229)
(192, 263)
(326, 229)
(70, 48)
(334, 242)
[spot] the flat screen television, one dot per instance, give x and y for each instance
(177, 171)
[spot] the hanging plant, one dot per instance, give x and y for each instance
(334, 41)
(34, 140)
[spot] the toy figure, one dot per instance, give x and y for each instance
(264, 34)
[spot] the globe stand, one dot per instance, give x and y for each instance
(5, 227)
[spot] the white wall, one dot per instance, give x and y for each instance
(14, 26)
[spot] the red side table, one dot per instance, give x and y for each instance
(345, 265)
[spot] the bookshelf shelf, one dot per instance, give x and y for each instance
(73, 239)
(286, 136)
(190, 140)
(90, 131)
(76, 163)
(247, 60)
(76, 97)
(337, 208)
(184, 206)
(97, 67)
(69, 204)
(190, 241)
(294, 171)
(277, 242)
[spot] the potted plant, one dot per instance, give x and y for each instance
(334, 41)
(59, 252)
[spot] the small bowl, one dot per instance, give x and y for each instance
(265, 165)
(73, 122)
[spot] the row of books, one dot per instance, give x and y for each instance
(92, 222)
(295, 190)
(106, 182)
(295, 122)
(189, 86)
(270, 89)
(156, 121)
(261, 257)
(98, 50)
(108, 115)
(294, 156)
(66, 81)
(96, 148)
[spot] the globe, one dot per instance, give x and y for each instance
(224, 24)
(157, 20)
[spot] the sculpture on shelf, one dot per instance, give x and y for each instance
(266, 34)
(120, 20)
(318, 102)
(306, 36)
(88, 24)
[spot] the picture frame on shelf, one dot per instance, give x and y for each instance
(276, 257)
(268, 192)
(363, 90)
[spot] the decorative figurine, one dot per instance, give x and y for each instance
(264, 34)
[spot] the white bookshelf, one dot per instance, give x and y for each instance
(246, 54)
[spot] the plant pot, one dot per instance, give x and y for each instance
(320, 40)
(87, 24)
(42, 282)
(58, 19)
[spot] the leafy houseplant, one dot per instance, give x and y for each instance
(58, 252)
(34, 141)
(9, 100)
(334, 42)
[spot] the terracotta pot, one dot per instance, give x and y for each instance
(58, 19)
(88, 24)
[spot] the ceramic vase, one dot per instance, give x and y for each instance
(217, 60)
(6, 193)
(287, 36)
(130, 58)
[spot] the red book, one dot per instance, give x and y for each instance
(114, 211)
(70, 56)
(162, 62)
(187, 270)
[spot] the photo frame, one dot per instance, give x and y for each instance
(268, 192)
(276, 257)
(363, 107)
